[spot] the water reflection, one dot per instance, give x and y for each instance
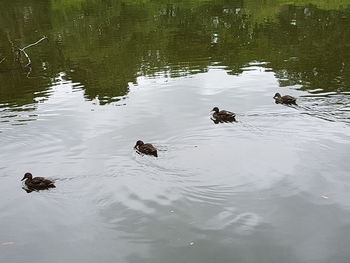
(238, 186)
(117, 71)
(105, 46)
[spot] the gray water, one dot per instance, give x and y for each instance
(271, 187)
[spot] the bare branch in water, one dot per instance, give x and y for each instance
(30, 45)
(2, 60)
(26, 55)
(37, 42)
(11, 42)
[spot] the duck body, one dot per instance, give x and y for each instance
(37, 183)
(286, 99)
(223, 115)
(146, 148)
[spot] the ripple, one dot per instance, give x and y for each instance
(211, 183)
(242, 223)
(331, 108)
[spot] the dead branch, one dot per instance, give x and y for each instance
(30, 45)
(2, 60)
(10, 41)
(26, 55)
(37, 42)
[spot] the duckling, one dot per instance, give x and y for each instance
(284, 99)
(146, 148)
(223, 115)
(37, 183)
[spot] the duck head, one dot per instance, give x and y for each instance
(277, 95)
(27, 176)
(139, 143)
(216, 109)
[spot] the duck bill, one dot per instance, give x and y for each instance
(23, 178)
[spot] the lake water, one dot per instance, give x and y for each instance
(272, 187)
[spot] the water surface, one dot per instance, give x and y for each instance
(271, 187)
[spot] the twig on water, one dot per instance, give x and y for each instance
(26, 55)
(30, 45)
(37, 42)
(11, 42)
(2, 60)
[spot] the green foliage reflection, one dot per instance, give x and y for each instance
(106, 44)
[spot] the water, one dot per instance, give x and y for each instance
(272, 187)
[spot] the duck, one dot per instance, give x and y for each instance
(286, 99)
(37, 183)
(223, 115)
(146, 148)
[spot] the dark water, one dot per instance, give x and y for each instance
(273, 187)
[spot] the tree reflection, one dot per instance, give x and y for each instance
(106, 44)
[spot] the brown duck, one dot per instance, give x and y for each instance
(284, 99)
(37, 183)
(223, 115)
(146, 148)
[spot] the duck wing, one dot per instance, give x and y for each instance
(37, 180)
(148, 148)
(225, 113)
(288, 99)
(40, 181)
